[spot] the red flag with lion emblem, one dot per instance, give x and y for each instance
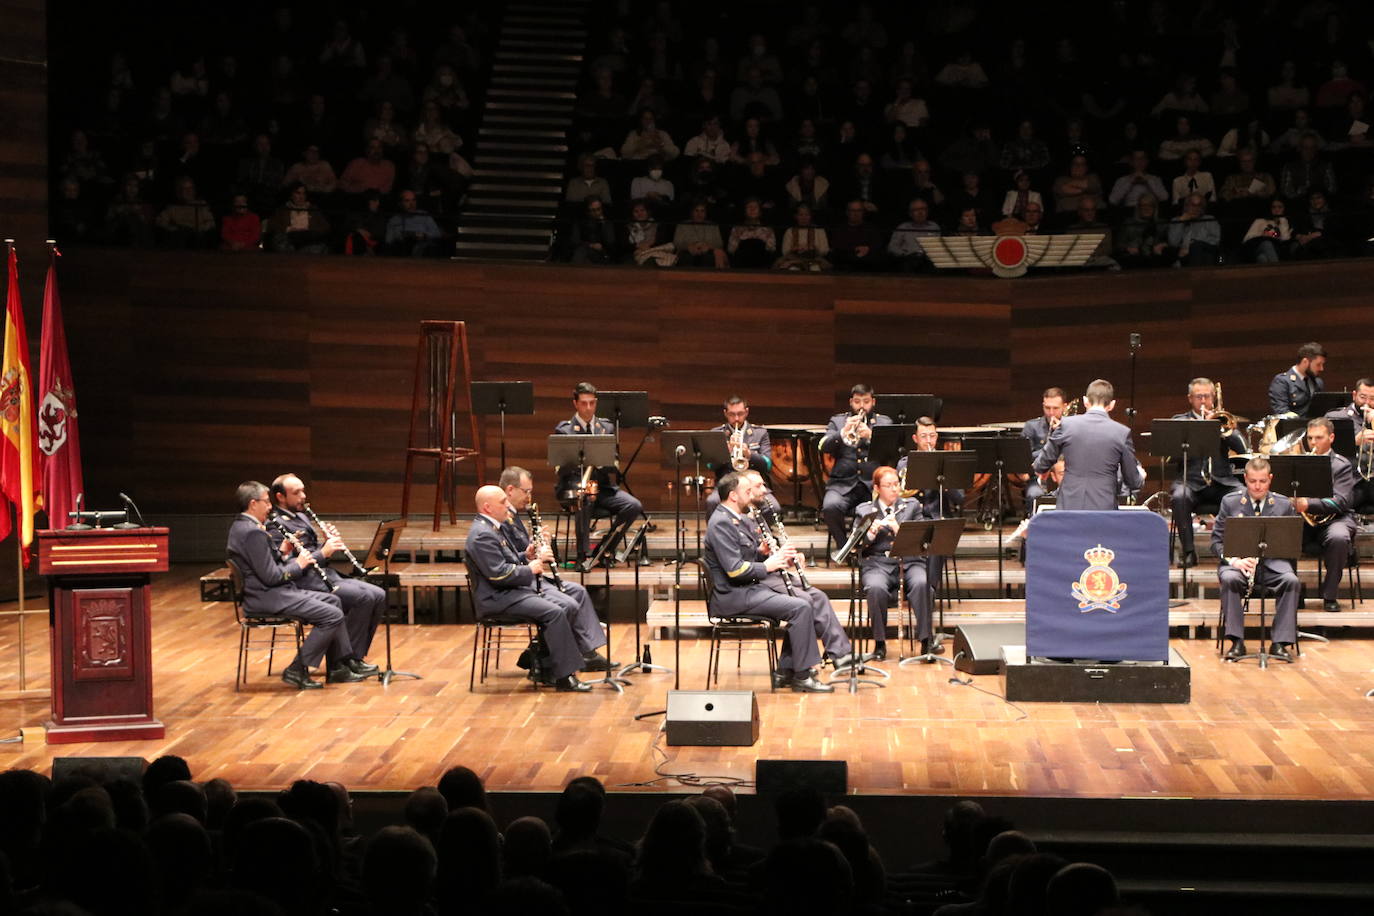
(18, 479)
(59, 445)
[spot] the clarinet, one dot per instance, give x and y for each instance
(537, 538)
(331, 531)
(773, 549)
(780, 534)
(291, 536)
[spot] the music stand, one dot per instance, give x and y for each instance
(858, 635)
(1274, 538)
(503, 398)
(638, 541)
(908, 408)
(938, 470)
(999, 456)
(1200, 439)
(1344, 443)
(890, 443)
(581, 451)
(701, 446)
(1301, 475)
(379, 555)
(625, 410)
(1323, 402)
(925, 538)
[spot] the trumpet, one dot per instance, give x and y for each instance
(540, 544)
(739, 451)
(849, 435)
(331, 531)
(291, 536)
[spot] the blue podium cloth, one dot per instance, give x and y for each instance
(1097, 586)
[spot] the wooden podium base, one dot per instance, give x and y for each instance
(111, 729)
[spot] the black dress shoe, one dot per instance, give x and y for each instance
(1279, 651)
(1188, 560)
(879, 652)
(358, 666)
(571, 684)
(1329, 604)
(805, 682)
(593, 661)
(1235, 650)
(300, 679)
(782, 679)
(345, 675)
(927, 650)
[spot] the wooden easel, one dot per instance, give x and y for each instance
(435, 408)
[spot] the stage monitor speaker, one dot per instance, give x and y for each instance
(713, 718)
(104, 769)
(978, 647)
(828, 777)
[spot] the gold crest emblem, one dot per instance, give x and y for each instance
(1098, 588)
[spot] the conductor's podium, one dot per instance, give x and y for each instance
(100, 599)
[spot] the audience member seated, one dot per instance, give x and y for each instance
(1317, 232)
(241, 228)
(962, 73)
(432, 130)
(1020, 197)
(587, 184)
(972, 195)
(905, 245)
(1229, 101)
(129, 217)
(704, 183)
(1069, 190)
(1246, 190)
(906, 109)
(806, 187)
(644, 240)
(1128, 189)
(867, 185)
(261, 175)
(446, 90)
(1351, 131)
(804, 245)
(1307, 173)
(1288, 94)
(1266, 238)
(384, 127)
(1183, 140)
(761, 59)
(1250, 137)
(647, 139)
(1291, 139)
(385, 85)
(918, 183)
(698, 240)
(298, 225)
(1193, 180)
(369, 172)
(1195, 235)
(857, 245)
(754, 140)
(366, 226)
(600, 111)
(315, 173)
(652, 187)
(710, 143)
(1026, 152)
(84, 163)
(186, 222)
(970, 223)
(1334, 92)
(592, 236)
(760, 184)
(434, 185)
(1183, 97)
(754, 99)
(974, 151)
(1089, 221)
(1142, 240)
(752, 244)
(900, 151)
(411, 231)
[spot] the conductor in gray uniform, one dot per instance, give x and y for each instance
(745, 579)
(1096, 449)
(271, 589)
(1255, 500)
(363, 603)
(880, 569)
(505, 584)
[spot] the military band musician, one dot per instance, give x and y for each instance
(847, 438)
(1209, 479)
(749, 445)
(1360, 411)
(1331, 527)
(880, 570)
(592, 490)
(1291, 390)
(1037, 432)
(1238, 575)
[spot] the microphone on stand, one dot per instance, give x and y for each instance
(130, 511)
(78, 525)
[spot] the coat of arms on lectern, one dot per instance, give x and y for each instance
(1099, 588)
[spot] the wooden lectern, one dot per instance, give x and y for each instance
(100, 601)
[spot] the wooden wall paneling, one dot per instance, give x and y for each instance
(24, 144)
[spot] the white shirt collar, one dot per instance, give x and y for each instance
(1099, 408)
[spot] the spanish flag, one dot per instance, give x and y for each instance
(18, 429)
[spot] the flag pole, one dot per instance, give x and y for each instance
(19, 557)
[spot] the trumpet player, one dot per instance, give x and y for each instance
(1037, 431)
(1330, 527)
(926, 438)
(1237, 575)
(363, 603)
(1360, 411)
(750, 449)
(518, 485)
(272, 587)
(847, 438)
(1208, 479)
(593, 491)
(880, 569)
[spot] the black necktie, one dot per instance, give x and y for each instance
(1258, 507)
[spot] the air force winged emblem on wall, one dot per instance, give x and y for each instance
(1011, 255)
(1098, 588)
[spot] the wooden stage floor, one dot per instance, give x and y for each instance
(1304, 731)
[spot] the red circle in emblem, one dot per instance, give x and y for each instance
(1009, 251)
